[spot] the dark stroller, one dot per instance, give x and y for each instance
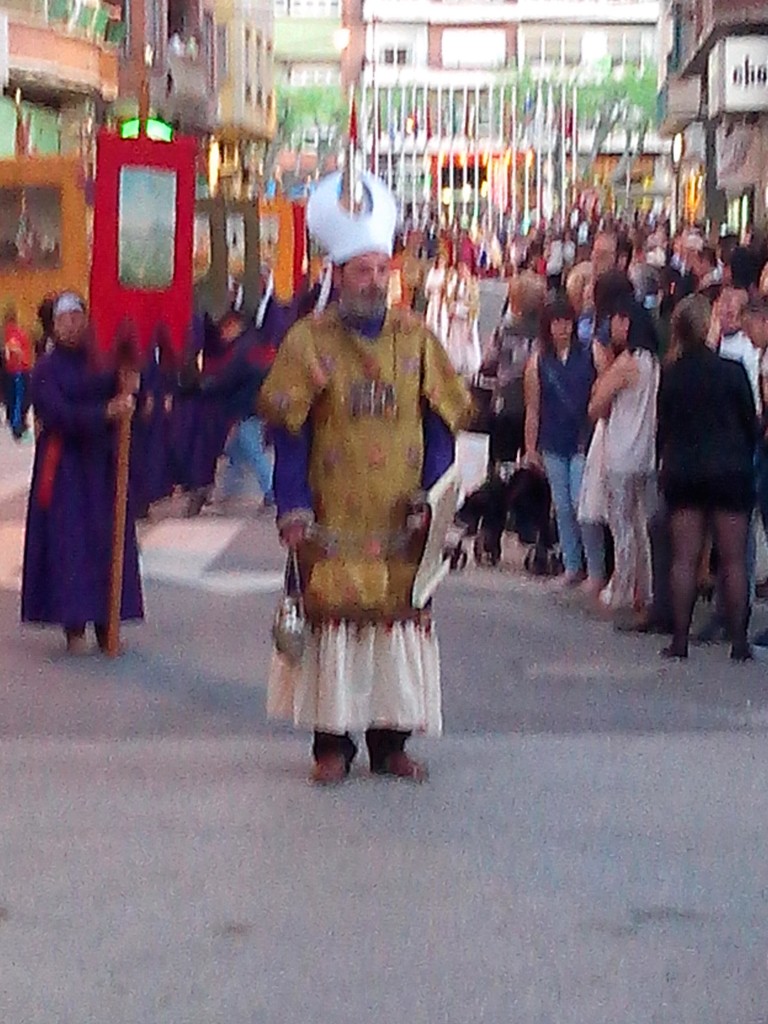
(517, 500)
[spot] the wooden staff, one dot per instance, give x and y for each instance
(128, 384)
(126, 349)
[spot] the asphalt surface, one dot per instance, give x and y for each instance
(590, 848)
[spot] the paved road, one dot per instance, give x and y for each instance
(590, 850)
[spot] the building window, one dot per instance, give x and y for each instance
(474, 48)
(633, 48)
(248, 93)
(209, 48)
(395, 55)
(125, 18)
(222, 52)
(594, 47)
(648, 47)
(308, 75)
(559, 47)
(307, 8)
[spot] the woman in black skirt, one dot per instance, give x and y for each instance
(706, 433)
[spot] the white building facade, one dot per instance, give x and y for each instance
(471, 110)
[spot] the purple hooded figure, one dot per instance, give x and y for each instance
(151, 463)
(199, 424)
(68, 548)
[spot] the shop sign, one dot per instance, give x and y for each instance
(739, 157)
(738, 75)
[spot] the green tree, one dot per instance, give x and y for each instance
(622, 97)
(608, 98)
(312, 116)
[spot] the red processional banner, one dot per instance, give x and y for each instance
(143, 237)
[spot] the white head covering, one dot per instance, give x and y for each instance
(68, 302)
(345, 235)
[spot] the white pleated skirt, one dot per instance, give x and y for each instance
(352, 678)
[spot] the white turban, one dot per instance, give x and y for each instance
(345, 235)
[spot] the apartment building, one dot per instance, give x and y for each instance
(173, 42)
(308, 41)
(59, 70)
(471, 107)
(713, 99)
(246, 99)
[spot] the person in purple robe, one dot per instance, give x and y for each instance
(200, 424)
(274, 318)
(151, 468)
(68, 547)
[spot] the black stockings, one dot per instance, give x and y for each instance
(731, 530)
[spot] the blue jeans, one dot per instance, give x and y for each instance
(564, 474)
(17, 403)
(245, 452)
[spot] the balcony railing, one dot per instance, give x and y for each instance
(97, 21)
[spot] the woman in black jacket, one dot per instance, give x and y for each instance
(707, 431)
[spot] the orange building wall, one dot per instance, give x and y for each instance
(26, 288)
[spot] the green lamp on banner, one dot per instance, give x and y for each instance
(157, 130)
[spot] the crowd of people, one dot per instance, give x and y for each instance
(625, 383)
(603, 350)
(632, 374)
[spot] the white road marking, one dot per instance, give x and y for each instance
(175, 551)
(11, 555)
(16, 461)
(13, 485)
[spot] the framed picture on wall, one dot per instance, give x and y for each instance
(30, 228)
(146, 227)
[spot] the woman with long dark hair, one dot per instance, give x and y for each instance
(707, 430)
(558, 383)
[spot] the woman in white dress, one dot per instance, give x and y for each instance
(434, 287)
(626, 397)
(463, 338)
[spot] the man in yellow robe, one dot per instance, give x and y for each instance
(365, 405)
